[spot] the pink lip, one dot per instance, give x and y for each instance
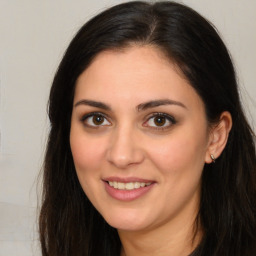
(127, 179)
(127, 195)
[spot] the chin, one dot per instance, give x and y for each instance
(126, 226)
(128, 221)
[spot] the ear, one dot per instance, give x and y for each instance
(218, 137)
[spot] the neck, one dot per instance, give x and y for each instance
(179, 239)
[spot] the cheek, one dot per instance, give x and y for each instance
(180, 162)
(87, 153)
(178, 154)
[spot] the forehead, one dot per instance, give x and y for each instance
(136, 73)
(138, 60)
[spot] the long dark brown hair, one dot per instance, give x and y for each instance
(69, 225)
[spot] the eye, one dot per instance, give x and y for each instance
(95, 120)
(160, 121)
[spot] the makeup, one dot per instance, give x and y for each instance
(127, 189)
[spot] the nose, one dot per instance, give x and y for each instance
(124, 148)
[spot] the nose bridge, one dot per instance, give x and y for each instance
(124, 149)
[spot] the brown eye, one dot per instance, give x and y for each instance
(95, 120)
(98, 120)
(159, 120)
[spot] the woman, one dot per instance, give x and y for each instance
(149, 151)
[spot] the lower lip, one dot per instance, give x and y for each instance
(127, 195)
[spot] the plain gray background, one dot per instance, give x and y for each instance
(33, 37)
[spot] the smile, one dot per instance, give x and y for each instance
(128, 185)
(127, 189)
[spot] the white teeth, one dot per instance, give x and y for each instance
(120, 185)
(128, 185)
(136, 185)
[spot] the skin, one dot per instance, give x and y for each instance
(128, 143)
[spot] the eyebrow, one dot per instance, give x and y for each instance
(157, 103)
(140, 107)
(93, 103)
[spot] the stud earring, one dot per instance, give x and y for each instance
(213, 158)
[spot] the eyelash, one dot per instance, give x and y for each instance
(167, 117)
(85, 118)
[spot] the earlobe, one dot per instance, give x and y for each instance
(218, 137)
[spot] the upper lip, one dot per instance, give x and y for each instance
(127, 179)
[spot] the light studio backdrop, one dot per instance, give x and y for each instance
(33, 37)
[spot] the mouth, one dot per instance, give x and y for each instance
(127, 189)
(128, 185)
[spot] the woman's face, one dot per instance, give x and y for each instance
(139, 139)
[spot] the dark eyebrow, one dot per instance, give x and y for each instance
(156, 103)
(93, 103)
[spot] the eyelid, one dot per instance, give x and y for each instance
(170, 118)
(91, 114)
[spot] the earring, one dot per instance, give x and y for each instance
(213, 158)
